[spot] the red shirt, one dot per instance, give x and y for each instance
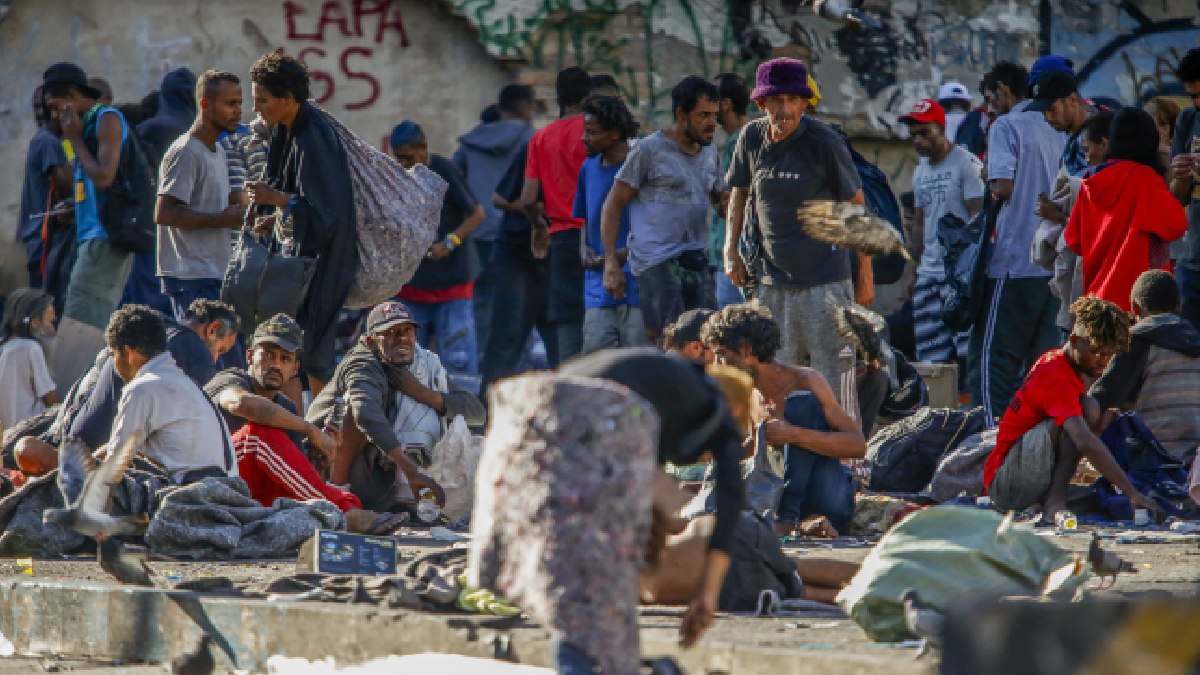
(1052, 390)
(556, 154)
(433, 296)
(1120, 225)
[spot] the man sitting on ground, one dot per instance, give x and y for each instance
(375, 379)
(1159, 377)
(179, 425)
(1051, 421)
(683, 336)
(801, 414)
(90, 407)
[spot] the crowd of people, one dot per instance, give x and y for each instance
(636, 263)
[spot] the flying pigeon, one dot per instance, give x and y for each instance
(92, 482)
(128, 568)
(850, 226)
(862, 328)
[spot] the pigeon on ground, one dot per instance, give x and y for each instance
(80, 474)
(850, 226)
(128, 568)
(199, 662)
(923, 621)
(1107, 564)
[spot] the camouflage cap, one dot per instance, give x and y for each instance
(281, 330)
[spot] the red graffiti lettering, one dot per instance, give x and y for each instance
(317, 75)
(366, 8)
(290, 11)
(332, 13)
(359, 75)
(396, 23)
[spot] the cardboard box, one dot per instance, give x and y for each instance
(942, 381)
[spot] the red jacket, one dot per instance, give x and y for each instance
(1123, 211)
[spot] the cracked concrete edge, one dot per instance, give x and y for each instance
(114, 623)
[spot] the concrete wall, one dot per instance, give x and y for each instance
(373, 64)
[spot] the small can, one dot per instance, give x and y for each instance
(1066, 521)
(1141, 517)
(338, 416)
(983, 501)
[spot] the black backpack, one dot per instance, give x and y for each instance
(905, 455)
(967, 247)
(128, 211)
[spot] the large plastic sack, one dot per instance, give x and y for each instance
(397, 212)
(961, 470)
(946, 554)
(455, 459)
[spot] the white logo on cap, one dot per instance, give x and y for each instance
(921, 107)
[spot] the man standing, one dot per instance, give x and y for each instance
(97, 134)
(1056, 96)
(670, 181)
(955, 99)
(193, 212)
(179, 424)
(1018, 324)
(786, 159)
(947, 180)
(556, 154)
(735, 98)
(483, 155)
(439, 294)
(607, 321)
(1185, 183)
(47, 180)
(803, 417)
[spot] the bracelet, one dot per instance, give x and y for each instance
(455, 238)
(451, 241)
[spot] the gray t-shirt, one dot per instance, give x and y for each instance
(1187, 140)
(812, 163)
(199, 178)
(1023, 148)
(944, 188)
(670, 213)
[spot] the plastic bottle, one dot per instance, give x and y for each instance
(428, 510)
(1066, 521)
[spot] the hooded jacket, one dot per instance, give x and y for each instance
(1159, 378)
(483, 155)
(176, 112)
(1124, 210)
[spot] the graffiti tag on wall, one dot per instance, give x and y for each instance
(374, 22)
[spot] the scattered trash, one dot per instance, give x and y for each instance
(817, 646)
(172, 576)
(1185, 527)
(26, 565)
(1065, 521)
(827, 624)
(445, 534)
(909, 644)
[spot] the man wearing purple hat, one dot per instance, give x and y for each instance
(783, 160)
(383, 392)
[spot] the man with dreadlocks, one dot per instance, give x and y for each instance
(1051, 422)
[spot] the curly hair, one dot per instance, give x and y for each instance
(137, 327)
(282, 76)
(611, 113)
(1105, 325)
(204, 311)
(748, 324)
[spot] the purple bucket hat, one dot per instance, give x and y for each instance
(781, 76)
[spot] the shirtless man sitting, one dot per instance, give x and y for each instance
(800, 414)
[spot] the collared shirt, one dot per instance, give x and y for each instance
(179, 425)
(1074, 157)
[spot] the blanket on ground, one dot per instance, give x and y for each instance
(212, 519)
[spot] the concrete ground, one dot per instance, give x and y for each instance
(806, 642)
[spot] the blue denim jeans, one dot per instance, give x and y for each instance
(448, 328)
(571, 660)
(814, 485)
(727, 293)
(182, 292)
(667, 290)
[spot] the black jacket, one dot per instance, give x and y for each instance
(1122, 380)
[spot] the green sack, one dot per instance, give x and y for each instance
(948, 553)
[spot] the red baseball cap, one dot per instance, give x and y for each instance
(925, 111)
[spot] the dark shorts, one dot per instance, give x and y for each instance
(1024, 478)
(566, 278)
(667, 290)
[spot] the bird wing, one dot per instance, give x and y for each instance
(97, 489)
(850, 226)
(75, 464)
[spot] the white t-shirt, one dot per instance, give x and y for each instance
(944, 188)
(24, 380)
(199, 178)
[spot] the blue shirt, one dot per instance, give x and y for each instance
(87, 209)
(1074, 159)
(1022, 148)
(595, 182)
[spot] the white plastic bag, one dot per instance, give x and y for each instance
(455, 460)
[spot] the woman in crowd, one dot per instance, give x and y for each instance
(26, 388)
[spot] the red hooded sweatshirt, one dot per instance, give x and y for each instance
(1122, 211)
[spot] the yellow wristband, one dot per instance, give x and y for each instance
(454, 238)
